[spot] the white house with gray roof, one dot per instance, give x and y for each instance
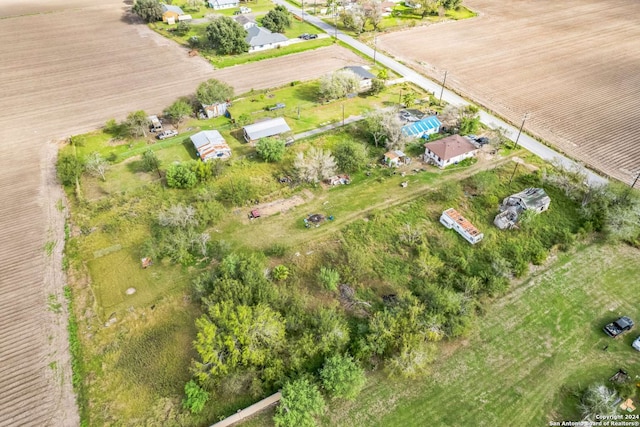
(262, 39)
(365, 77)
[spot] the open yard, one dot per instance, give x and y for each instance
(525, 358)
(571, 65)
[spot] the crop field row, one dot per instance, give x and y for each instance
(571, 65)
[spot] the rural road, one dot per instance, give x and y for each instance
(488, 119)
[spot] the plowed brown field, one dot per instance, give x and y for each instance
(62, 73)
(573, 65)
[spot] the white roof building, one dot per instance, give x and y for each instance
(265, 129)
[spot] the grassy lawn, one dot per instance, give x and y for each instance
(532, 349)
(223, 61)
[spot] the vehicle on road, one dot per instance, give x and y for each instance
(307, 36)
(167, 134)
(618, 327)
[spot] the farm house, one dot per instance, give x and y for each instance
(448, 151)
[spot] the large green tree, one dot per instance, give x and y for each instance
(270, 149)
(277, 19)
(69, 168)
(231, 335)
(350, 156)
(342, 377)
(213, 92)
(138, 123)
(178, 111)
(226, 36)
(301, 402)
(148, 10)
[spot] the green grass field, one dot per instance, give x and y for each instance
(527, 355)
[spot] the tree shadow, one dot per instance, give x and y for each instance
(307, 92)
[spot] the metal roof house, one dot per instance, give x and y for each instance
(533, 199)
(215, 110)
(261, 39)
(422, 128)
(210, 145)
(265, 129)
(453, 220)
(223, 4)
(449, 150)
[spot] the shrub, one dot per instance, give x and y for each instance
(280, 273)
(270, 149)
(342, 377)
(180, 175)
(195, 398)
(329, 278)
(69, 168)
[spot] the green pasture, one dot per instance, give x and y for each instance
(527, 358)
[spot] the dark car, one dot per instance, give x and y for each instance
(483, 140)
(616, 328)
(312, 36)
(304, 36)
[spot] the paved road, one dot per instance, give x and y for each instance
(488, 119)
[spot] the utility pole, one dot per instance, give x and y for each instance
(302, 9)
(442, 89)
(514, 172)
(342, 114)
(400, 97)
(520, 130)
(375, 47)
(335, 19)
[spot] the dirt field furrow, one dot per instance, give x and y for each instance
(572, 65)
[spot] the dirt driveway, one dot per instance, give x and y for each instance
(573, 65)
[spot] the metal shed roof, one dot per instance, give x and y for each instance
(421, 126)
(171, 8)
(266, 128)
(361, 72)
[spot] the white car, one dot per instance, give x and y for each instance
(636, 344)
(167, 134)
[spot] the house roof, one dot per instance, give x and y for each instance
(209, 143)
(266, 128)
(394, 154)
(424, 125)
(361, 72)
(450, 147)
(244, 19)
(171, 8)
(258, 36)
